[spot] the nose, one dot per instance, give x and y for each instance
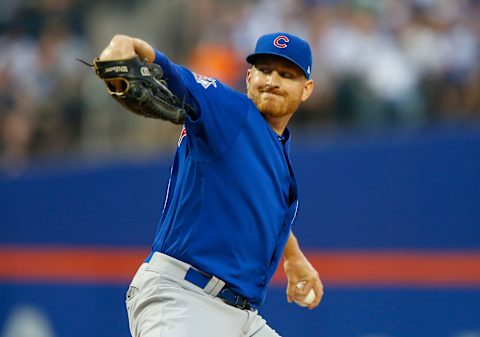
(273, 80)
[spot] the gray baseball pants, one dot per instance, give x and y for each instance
(160, 303)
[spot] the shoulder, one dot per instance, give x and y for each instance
(205, 85)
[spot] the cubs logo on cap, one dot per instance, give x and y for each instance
(287, 46)
(281, 41)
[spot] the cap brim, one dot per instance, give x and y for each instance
(252, 58)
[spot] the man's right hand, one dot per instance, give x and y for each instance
(123, 47)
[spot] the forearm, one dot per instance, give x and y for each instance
(298, 269)
(292, 248)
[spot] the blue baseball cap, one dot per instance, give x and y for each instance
(285, 45)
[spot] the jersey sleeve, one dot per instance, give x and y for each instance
(219, 111)
(173, 75)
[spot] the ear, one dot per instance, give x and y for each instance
(307, 90)
(248, 78)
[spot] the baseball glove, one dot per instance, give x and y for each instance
(140, 87)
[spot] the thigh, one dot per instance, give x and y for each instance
(266, 331)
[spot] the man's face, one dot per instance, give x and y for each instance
(277, 86)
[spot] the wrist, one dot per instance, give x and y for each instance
(144, 50)
(293, 256)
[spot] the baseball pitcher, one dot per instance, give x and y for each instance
(232, 196)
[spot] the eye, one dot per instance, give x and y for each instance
(286, 74)
(264, 70)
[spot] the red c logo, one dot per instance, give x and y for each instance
(281, 41)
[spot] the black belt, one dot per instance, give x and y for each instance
(226, 294)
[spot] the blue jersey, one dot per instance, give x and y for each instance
(232, 194)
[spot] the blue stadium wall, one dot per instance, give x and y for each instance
(402, 191)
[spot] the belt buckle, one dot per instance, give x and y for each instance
(235, 300)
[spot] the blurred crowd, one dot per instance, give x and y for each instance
(377, 64)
